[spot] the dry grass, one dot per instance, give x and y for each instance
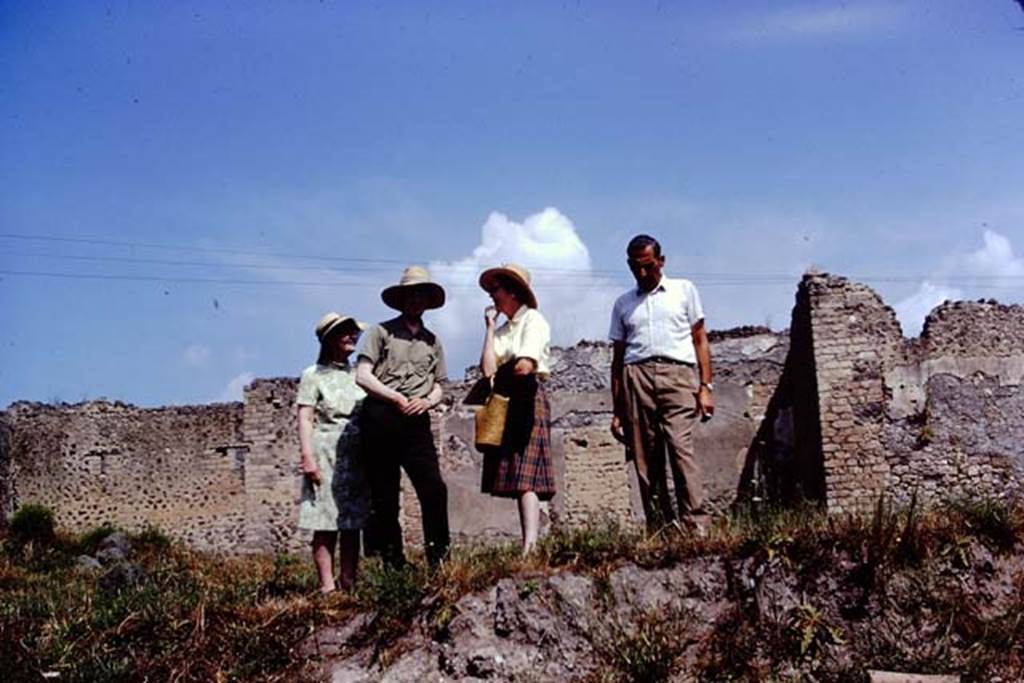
(196, 617)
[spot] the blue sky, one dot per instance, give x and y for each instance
(187, 187)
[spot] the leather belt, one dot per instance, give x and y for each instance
(666, 359)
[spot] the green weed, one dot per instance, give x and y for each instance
(644, 647)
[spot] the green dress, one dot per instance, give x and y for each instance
(342, 499)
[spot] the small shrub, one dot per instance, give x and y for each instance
(809, 627)
(644, 647)
(89, 542)
(770, 532)
(475, 568)
(589, 546)
(33, 523)
(912, 543)
(290, 576)
(393, 593)
(993, 520)
(925, 436)
(152, 538)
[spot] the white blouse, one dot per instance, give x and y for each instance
(526, 335)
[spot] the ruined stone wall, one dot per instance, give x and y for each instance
(100, 462)
(854, 336)
(936, 417)
(956, 415)
(273, 477)
(593, 479)
(226, 476)
(6, 481)
(843, 409)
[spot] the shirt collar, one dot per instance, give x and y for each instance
(523, 309)
(659, 288)
(397, 328)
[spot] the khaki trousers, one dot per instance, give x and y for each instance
(661, 398)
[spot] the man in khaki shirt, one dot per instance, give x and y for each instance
(401, 365)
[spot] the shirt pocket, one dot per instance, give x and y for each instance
(421, 359)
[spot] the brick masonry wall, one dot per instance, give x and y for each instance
(854, 333)
(935, 417)
(226, 476)
(272, 476)
(847, 410)
(101, 462)
(6, 480)
(955, 421)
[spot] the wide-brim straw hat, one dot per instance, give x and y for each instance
(521, 276)
(333, 321)
(414, 279)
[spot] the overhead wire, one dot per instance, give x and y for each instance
(357, 283)
(565, 276)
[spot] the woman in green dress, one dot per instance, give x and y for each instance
(335, 501)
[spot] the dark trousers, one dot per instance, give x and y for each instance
(393, 442)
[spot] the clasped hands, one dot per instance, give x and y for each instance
(412, 406)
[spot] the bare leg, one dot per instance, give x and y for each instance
(348, 550)
(529, 520)
(323, 557)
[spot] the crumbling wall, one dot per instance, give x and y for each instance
(226, 476)
(935, 417)
(100, 462)
(841, 409)
(854, 336)
(955, 421)
(784, 462)
(272, 475)
(6, 481)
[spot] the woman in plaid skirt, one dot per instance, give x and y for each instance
(516, 355)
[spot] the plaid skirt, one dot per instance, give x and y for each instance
(511, 473)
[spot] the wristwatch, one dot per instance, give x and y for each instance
(709, 385)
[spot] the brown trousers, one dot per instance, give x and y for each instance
(661, 398)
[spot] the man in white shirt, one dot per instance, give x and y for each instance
(661, 383)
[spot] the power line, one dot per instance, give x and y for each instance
(249, 252)
(382, 264)
(259, 266)
(357, 283)
(712, 278)
(224, 281)
(175, 247)
(210, 264)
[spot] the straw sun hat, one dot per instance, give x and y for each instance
(332, 321)
(516, 273)
(414, 279)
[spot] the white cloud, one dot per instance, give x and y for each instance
(196, 356)
(979, 273)
(234, 389)
(996, 260)
(574, 299)
(813, 22)
(912, 310)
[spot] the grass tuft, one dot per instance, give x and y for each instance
(908, 578)
(643, 647)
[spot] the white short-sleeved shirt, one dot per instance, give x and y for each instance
(526, 335)
(659, 322)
